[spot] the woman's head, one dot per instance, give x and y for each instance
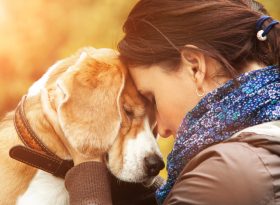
(200, 42)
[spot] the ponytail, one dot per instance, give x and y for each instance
(268, 52)
(273, 40)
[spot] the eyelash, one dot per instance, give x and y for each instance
(153, 100)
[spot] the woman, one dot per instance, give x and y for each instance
(211, 69)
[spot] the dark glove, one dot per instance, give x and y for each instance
(124, 193)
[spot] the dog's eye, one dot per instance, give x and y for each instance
(129, 112)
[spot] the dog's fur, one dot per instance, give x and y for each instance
(84, 104)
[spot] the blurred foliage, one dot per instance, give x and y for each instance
(36, 33)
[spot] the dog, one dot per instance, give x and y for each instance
(87, 104)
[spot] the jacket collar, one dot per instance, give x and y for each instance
(265, 135)
(269, 128)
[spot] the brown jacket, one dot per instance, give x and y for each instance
(244, 170)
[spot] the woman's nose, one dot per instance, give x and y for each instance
(164, 132)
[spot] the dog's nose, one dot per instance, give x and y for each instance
(154, 164)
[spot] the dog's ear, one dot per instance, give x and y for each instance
(87, 105)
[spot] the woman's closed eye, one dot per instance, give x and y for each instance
(148, 96)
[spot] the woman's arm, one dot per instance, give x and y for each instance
(89, 183)
(224, 174)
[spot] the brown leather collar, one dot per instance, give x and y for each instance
(35, 153)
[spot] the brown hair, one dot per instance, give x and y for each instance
(156, 31)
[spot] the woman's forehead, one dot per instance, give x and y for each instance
(141, 76)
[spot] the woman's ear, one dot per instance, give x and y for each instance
(194, 61)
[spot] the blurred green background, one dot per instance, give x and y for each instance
(36, 33)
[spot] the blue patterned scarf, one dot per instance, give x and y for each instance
(221, 113)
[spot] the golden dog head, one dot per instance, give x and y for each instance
(95, 109)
